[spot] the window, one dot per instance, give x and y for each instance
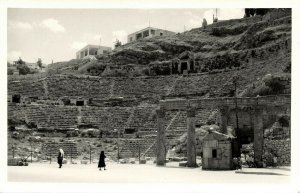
(105, 51)
(161, 34)
(214, 153)
(16, 98)
(138, 36)
(79, 103)
(152, 32)
(146, 33)
(129, 131)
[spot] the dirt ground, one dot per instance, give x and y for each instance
(142, 173)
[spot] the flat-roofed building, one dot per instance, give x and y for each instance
(92, 50)
(148, 32)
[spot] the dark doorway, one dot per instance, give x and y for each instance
(79, 103)
(283, 121)
(16, 98)
(246, 134)
(183, 66)
(129, 131)
(236, 149)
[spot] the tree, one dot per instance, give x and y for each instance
(118, 43)
(22, 67)
(10, 71)
(274, 84)
(251, 12)
(39, 63)
(20, 61)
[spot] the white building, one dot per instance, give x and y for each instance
(148, 32)
(92, 50)
(33, 66)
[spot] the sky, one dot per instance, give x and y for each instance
(56, 34)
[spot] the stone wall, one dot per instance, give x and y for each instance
(282, 148)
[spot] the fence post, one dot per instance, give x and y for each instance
(71, 154)
(139, 153)
(50, 152)
(30, 151)
(13, 148)
(90, 154)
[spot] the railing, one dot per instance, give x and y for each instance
(169, 125)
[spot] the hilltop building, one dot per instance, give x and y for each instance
(34, 67)
(92, 50)
(148, 32)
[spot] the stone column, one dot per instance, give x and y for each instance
(191, 139)
(160, 140)
(258, 136)
(224, 110)
(188, 65)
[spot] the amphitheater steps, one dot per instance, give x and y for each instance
(52, 149)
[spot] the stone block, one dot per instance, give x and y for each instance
(175, 159)
(122, 161)
(84, 161)
(143, 161)
(183, 164)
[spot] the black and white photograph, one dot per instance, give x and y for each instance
(149, 95)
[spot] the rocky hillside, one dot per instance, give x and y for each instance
(221, 45)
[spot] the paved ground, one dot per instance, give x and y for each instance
(135, 173)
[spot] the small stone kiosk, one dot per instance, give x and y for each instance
(217, 151)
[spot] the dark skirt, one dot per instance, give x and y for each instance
(59, 159)
(101, 162)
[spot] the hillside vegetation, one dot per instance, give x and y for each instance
(221, 45)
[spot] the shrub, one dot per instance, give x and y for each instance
(72, 134)
(274, 84)
(10, 71)
(11, 128)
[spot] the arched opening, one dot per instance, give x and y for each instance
(183, 67)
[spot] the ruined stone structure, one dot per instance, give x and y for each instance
(184, 64)
(256, 107)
